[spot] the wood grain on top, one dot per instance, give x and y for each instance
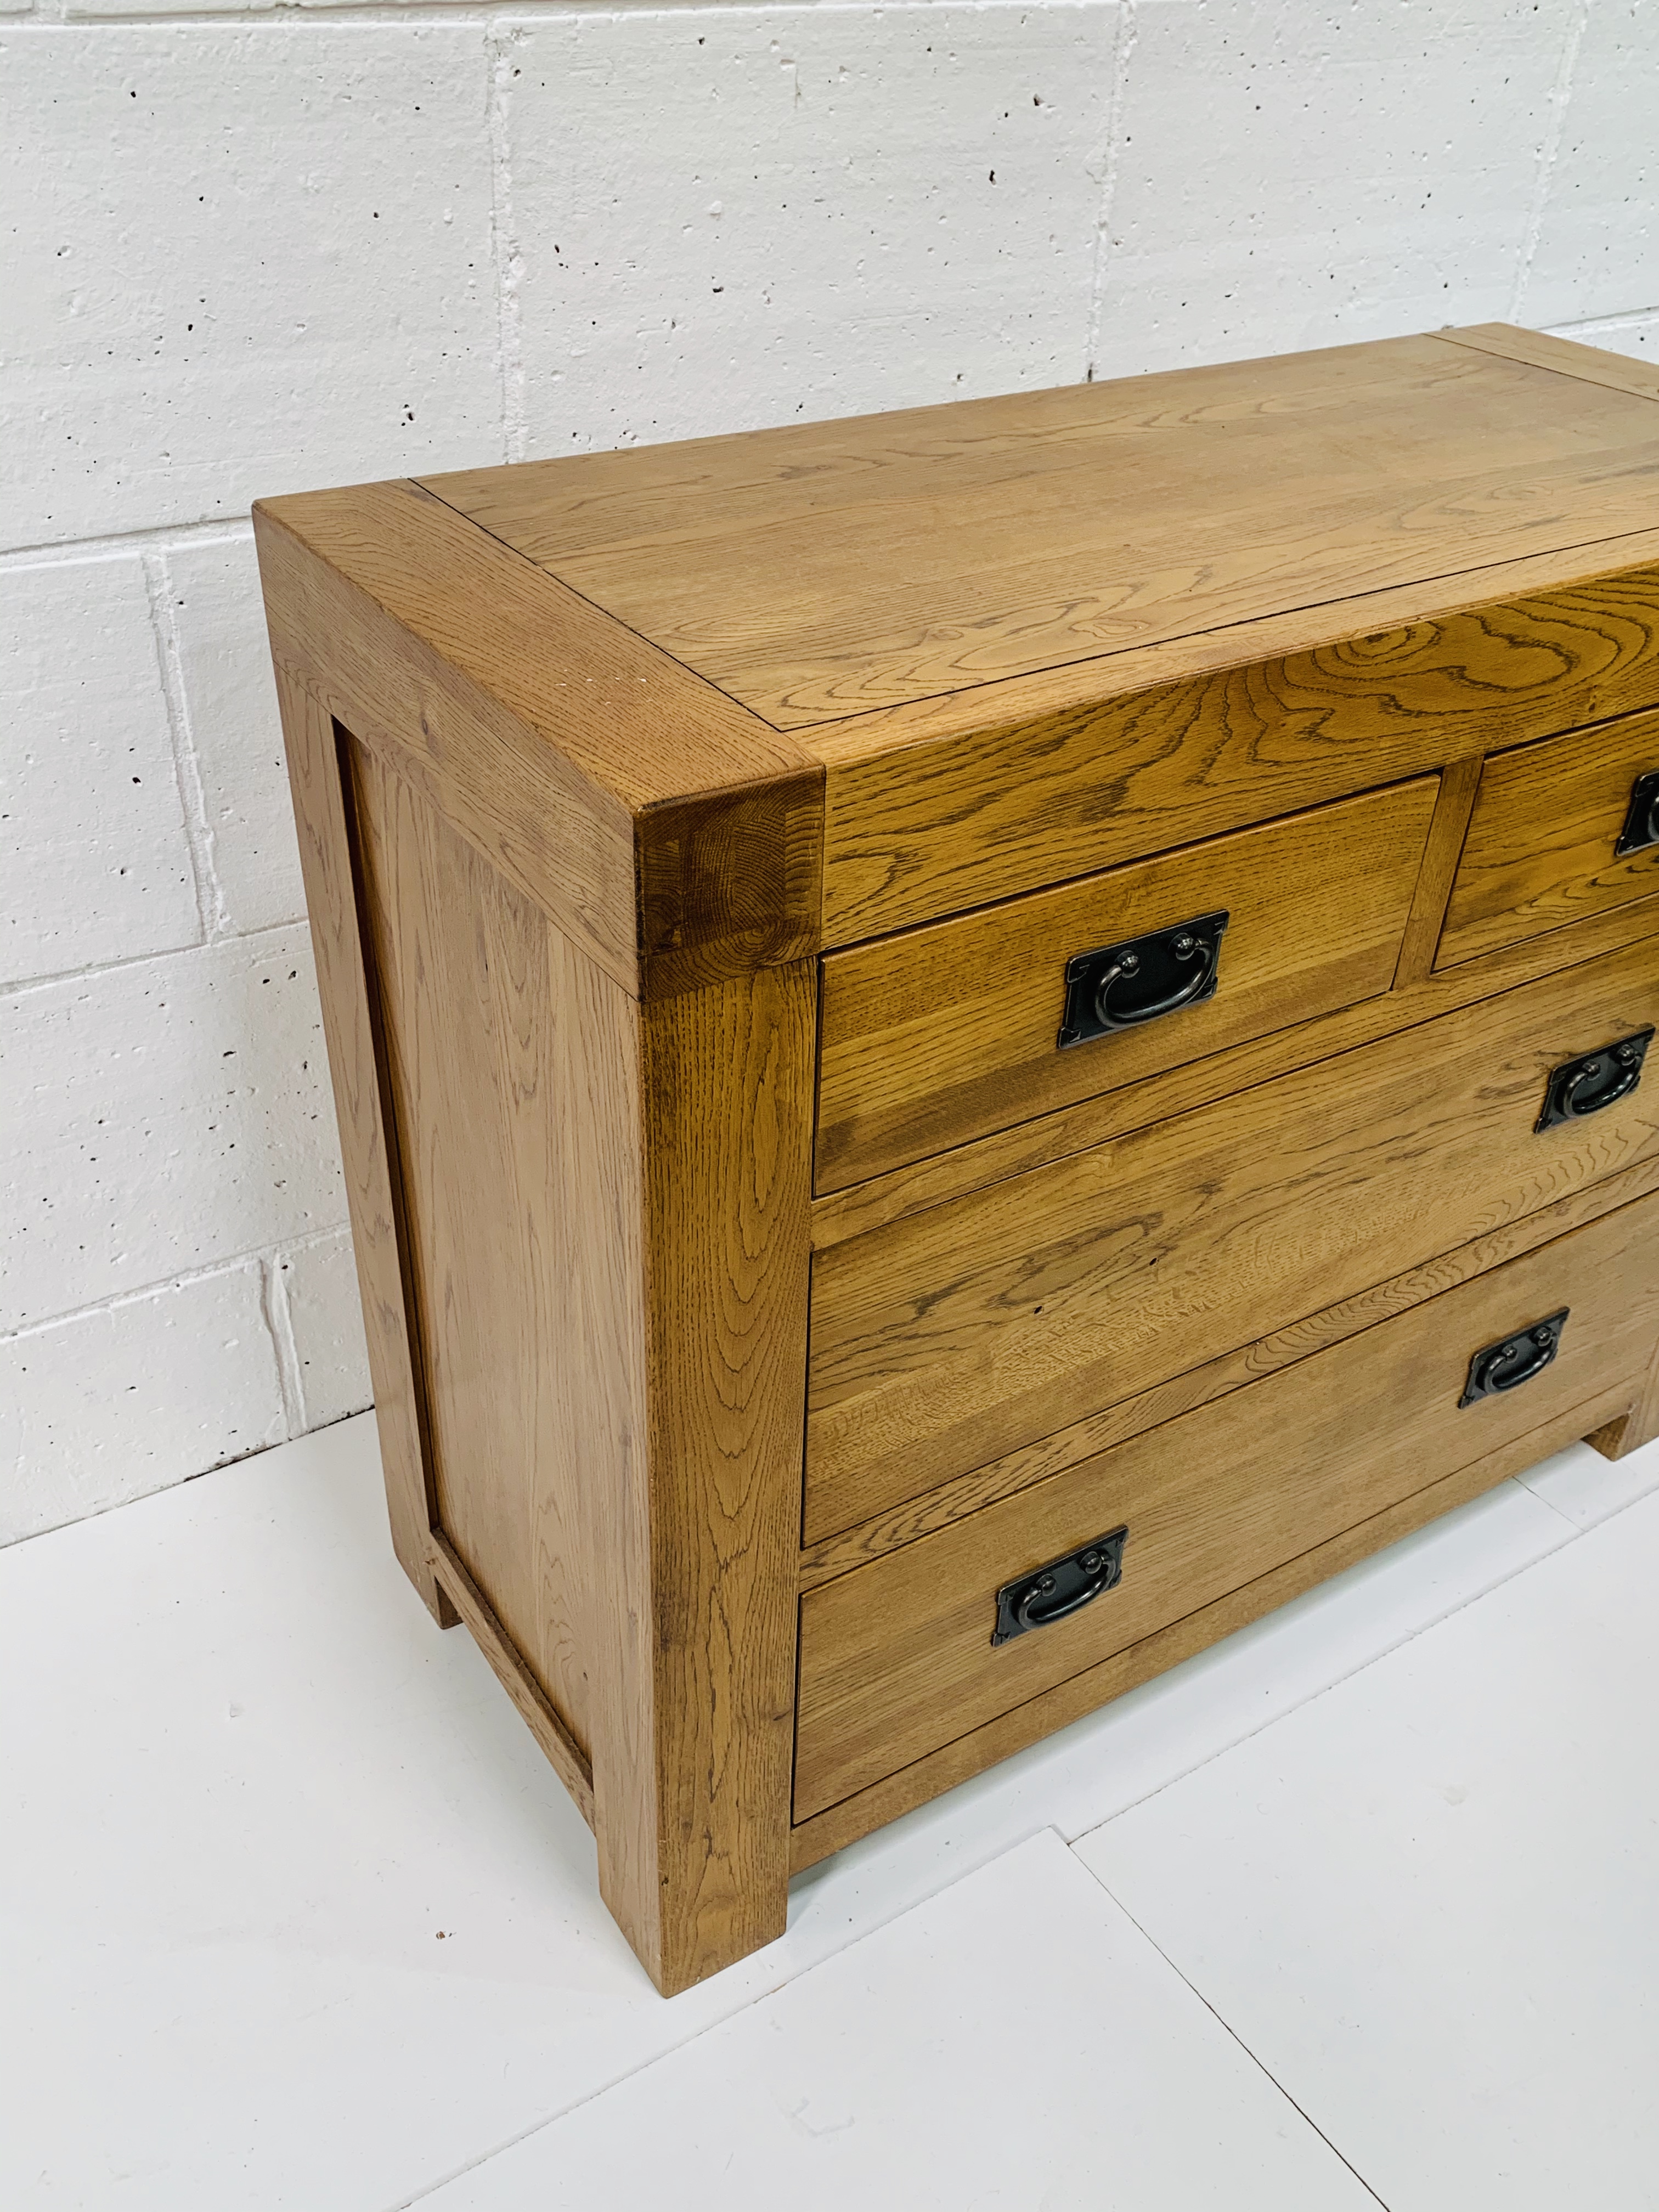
(826, 570)
(1566, 356)
(674, 835)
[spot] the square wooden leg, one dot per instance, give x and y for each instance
(581, 1226)
(1615, 1439)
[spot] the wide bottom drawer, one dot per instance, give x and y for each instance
(898, 1658)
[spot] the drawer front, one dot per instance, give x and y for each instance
(939, 1342)
(951, 802)
(896, 1657)
(950, 1031)
(1543, 842)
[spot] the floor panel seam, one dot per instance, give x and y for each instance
(668, 2050)
(1336, 1681)
(1228, 2028)
(428, 2190)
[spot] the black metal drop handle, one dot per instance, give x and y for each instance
(1641, 828)
(1595, 1080)
(1183, 948)
(1574, 1103)
(1179, 965)
(1059, 1589)
(1031, 1614)
(1516, 1359)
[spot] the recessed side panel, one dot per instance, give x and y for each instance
(317, 773)
(498, 1037)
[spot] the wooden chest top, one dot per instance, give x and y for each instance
(821, 571)
(720, 705)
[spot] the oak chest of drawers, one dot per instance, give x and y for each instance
(971, 1046)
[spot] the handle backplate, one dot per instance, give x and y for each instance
(1594, 1080)
(1514, 1359)
(1641, 828)
(1062, 1587)
(1141, 979)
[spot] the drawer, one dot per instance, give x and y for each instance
(945, 1033)
(1541, 848)
(897, 1656)
(943, 1340)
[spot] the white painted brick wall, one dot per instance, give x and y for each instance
(236, 246)
(1289, 176)
(97, 861)
(213, 642)
(254, 249)
(725, 218)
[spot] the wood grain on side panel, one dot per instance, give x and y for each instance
(607, 1209)
(484, 1035)
(949, 1338)
(362, 1103)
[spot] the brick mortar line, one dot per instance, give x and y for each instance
(1123, 46)
(1561, 94)
(261, 1255)
(21, 987)
(274, 1312)
(212, 920)
(472, 12)
(501, 41)
(112, 545)
(1622, 318)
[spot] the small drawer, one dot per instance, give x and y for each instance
(1563, 828)
(944, 1341)
(947, 1032)
(898, 1658)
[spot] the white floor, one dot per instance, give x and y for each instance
(1361, 1907)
